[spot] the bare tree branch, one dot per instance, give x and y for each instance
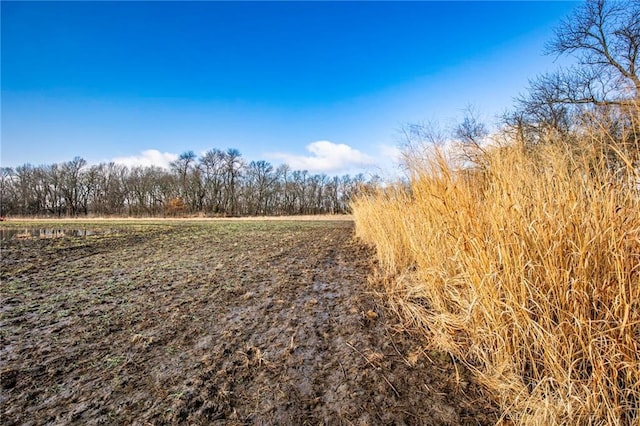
(604, 35)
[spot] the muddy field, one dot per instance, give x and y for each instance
(211, 323)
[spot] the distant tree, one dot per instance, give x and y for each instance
(182, 166)
(471, 133)
(106, 198)
(299, 184)
(259, 183)
(114, 190)
(24, 183)
(232, 170)
(54, 182)
(333, 195)
(212, 166)
(286, 194)
(71, 184)
(7, 196)
(89, 185)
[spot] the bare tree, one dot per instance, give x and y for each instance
(546, 108)
(182, 166)
(471, 133)
(259, 182)
(212, 166)
(7, 197)
(286, 194)
(604, 36)
(71, 184)
(232, 168)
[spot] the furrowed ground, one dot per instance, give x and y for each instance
(212, 322)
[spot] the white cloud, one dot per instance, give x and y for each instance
(149, 157)
(390, 160)
(326, 157)
(391, 153)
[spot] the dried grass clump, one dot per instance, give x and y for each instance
(527, 270)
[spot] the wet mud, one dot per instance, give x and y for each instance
(214, 323)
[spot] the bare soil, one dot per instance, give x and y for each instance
(213, 323)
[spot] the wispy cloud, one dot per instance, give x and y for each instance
(326, 157)
(149, 157)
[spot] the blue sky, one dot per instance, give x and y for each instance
(320, 85)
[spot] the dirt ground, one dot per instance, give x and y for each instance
(212, 323)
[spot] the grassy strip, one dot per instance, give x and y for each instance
(528, 271)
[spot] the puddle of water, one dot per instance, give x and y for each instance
(46, 233)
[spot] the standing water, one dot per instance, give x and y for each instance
(43, 233)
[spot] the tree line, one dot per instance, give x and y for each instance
(218, 183)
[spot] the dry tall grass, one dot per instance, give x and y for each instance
(528, 271)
